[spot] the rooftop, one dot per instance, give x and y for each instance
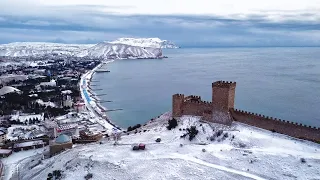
(7, 90)
(5, 151)
(62, 138)
(27, 144)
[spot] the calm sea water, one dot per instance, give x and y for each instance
(277, 82)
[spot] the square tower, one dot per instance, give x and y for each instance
(223, 94)
(177, 103)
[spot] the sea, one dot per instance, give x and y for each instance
(280, 82)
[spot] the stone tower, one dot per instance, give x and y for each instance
(177, 102)
(223, 93)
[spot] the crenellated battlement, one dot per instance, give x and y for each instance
(226, 84)
(178, 95)
(222, 106)
(272, 119)
(192, 97)
(199, 102)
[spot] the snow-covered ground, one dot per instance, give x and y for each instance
(245, 153)
(41, 102)
(8, 89)
(10, 77)
(26, 117)
(13, 163)
(24, 131)
(145, 42)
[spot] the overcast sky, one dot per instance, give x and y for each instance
(186, 22)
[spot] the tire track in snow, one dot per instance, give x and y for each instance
(215, 166)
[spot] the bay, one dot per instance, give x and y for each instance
(278, 82)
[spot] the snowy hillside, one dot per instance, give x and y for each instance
(146, 42)
(238, 152)
(121, 51)
(40, 48)
(105, 50)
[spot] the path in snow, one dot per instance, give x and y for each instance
(204, 163)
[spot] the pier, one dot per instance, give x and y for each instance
(104, 101)
(102, 70)
(101, 94)
(109, 110)
(99, 89)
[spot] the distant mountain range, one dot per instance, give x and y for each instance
(146, 42)
(123, 48)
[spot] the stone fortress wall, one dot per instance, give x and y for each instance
(221, 110)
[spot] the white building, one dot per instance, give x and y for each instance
(52, 83)
(68, 102)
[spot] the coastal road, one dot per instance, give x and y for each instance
(89, 102)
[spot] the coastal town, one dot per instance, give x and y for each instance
(46, 103)
(54, 127)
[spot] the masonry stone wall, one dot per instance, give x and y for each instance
(195, 108)
(223, 94)
(221, 110)
(56, 148)
(177, 104)
(280, 126)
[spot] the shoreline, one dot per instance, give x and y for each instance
(91, 100)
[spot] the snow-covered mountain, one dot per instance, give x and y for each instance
(104, 50)
(121, 51)
(41, 48)
(146, 42)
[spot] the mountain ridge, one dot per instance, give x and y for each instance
(104, 49)
(146, 42)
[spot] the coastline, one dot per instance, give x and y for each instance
(91, 99)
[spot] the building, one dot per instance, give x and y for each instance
(87, 137)
(51, 83)
(79, 106)
(28, 145)
(5, 153)
(221, 110)
(70, 129)
(223, 94)
(67, 102)
(61, 143)
(2, 137)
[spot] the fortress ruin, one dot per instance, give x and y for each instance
(221, 110)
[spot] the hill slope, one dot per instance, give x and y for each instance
(104, 49)
(245, 153)
(121, 51)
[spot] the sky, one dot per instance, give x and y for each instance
(188, 23)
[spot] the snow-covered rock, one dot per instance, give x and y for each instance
(146, 42)
(121, 51)
(104, 50)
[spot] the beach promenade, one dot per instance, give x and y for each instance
(91, 104)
